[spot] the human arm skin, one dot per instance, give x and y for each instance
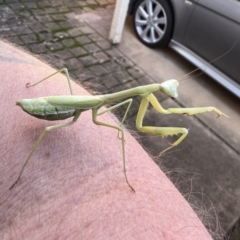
(74, 186)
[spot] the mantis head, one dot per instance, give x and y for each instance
(169, 87)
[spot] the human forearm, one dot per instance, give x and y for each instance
(74, 187)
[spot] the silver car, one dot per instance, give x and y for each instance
(199, 30)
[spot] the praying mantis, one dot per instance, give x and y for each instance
(62, 107)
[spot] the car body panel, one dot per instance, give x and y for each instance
(218, 37)
(205, 30)
(182, 13)
(206, 67)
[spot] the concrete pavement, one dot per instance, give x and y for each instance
(73, 34)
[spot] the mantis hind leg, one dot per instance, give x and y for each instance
(59, 71)
(47, 129)
(95, 114)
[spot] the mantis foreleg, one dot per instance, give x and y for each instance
(59, 71)
(167, 131)
(47, 129)
(189, 111)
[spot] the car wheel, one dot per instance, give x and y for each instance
(153, 22)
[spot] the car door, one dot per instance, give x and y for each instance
(212, 30)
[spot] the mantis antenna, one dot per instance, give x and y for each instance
(214, 60)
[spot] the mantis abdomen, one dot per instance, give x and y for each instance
(40, 108)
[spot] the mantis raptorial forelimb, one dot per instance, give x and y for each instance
(62, 107)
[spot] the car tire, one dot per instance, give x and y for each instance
(153, 24)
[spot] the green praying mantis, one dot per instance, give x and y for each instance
(62, 107)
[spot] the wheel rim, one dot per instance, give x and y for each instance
(150, 21)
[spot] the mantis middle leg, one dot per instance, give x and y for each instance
(95, 114)
(129, 101)
(47, 129)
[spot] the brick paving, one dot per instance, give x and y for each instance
(52, 30)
